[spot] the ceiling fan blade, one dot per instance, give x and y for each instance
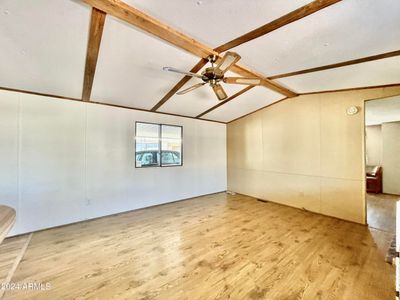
(193, 87)
(219, 91)
(242, 80)
(229, 59)
(170, 69)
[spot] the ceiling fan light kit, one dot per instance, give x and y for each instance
(215, 74)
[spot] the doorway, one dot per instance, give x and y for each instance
(382, 161)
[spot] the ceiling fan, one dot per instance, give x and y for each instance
(215, 74)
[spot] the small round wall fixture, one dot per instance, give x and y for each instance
(352, 110)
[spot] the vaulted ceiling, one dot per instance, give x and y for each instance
(113, 52)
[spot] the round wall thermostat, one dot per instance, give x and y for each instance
(352, 110)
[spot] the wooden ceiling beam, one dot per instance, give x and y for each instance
(338, 65)
(263, 30)
(227, 100)
(246, 72)
(293, 16)
(95, 33)
(133, 16)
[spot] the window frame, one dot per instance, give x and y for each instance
(160, 165)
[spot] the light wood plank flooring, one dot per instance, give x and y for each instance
(11, 252)
(213, 247)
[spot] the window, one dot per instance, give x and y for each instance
(158, 145)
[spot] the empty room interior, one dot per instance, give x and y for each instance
(199, 149)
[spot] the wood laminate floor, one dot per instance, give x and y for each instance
(213, 247)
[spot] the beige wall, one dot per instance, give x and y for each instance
(391, 157)
(373, 145)
(304, 152)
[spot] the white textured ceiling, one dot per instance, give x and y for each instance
(377, 72)
(382, 110)
(129, 68)
(347, 30)
(216, 22)
(43, 45)
(254, 99)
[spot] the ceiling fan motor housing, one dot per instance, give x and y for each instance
(212, 74)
